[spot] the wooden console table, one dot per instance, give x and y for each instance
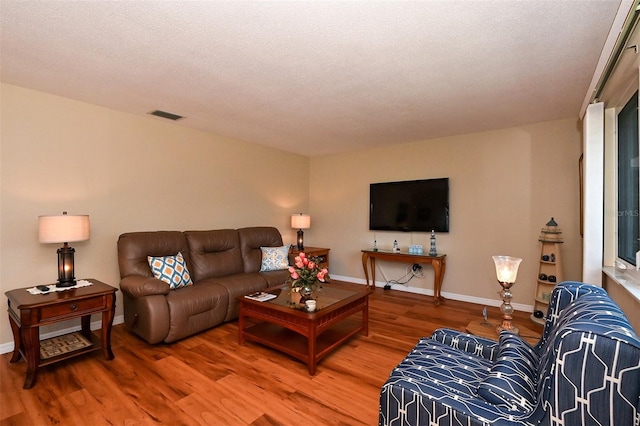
(439, 264)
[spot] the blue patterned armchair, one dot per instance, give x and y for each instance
(584, 371)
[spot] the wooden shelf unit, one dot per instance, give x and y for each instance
(550, 264)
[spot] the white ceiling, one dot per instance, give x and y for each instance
(314, 77)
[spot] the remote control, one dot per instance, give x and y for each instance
(42, 288)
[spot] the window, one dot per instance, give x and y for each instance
(628, 209)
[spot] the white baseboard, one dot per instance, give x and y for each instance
(429, 292)
(95, 325)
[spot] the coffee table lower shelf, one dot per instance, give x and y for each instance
(306, 349)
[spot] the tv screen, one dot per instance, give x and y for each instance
(410, 206)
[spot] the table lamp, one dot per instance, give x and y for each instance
(64, 229)
(506, 271)
(300, 221)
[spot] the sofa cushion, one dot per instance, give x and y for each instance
(251, 239)
(274, 258)
(214, 253)
(135, 247)
(170, 269)
(275, 278)
(236, 286)
(511, 380)
(195, 308)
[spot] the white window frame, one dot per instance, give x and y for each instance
(611, 257)
(616, 79)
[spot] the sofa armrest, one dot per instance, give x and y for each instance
(137, 286)
(485, 348)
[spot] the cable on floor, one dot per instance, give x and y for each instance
(412, 271)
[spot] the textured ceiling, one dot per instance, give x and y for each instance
(314, 77)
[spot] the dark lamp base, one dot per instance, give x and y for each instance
(300, 240)
(62, 284)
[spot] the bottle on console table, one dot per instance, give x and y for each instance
(433, 251)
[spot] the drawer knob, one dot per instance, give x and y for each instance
(73, 307)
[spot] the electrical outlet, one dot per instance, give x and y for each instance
(416, 267)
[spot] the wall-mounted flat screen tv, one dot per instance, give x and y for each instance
(410, 206)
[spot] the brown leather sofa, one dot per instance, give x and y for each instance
(223, 264)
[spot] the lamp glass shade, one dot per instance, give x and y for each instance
(63, 228)
(300, 221)
(506, 268)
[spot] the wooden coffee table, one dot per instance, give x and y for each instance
(308, 336)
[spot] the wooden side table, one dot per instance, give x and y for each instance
(319, 252)
(27, 312)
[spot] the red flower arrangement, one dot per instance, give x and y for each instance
(306, 272)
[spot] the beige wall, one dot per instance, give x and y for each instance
(132, 173)
(129, 173)
(504, 186)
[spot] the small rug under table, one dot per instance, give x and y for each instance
(62, 344)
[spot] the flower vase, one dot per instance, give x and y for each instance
(306, 293)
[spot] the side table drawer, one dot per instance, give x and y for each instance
(72, 308)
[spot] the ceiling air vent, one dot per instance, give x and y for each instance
(167, 115)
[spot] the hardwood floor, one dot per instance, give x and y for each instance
(209, 379)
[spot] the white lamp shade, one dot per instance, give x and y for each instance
(300, 221)
(63, 228)
(506, 268)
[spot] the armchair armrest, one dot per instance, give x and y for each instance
(137, 286)
(485, 348)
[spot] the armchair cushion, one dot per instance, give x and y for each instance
(485, 348)
(439, 381)
(171, 269)
(512, 378)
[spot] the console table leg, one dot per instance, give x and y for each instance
(365, 267)
(439, 267)
(373, 272)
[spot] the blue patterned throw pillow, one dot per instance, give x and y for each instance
(274, 258)
(511, 380)
(170, 269)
